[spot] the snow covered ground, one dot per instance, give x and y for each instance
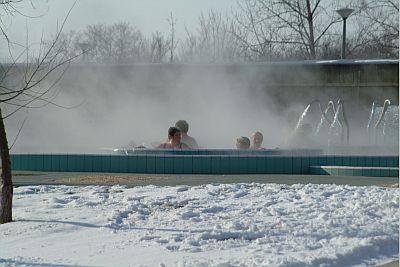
(208, 225)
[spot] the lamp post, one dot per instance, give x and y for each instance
(344, 13)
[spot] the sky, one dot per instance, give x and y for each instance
(147, 15)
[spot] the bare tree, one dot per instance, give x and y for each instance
(174, 43)
(298, 26)
(214, 40)
(378, 29)
(24, 83)
(158, 47)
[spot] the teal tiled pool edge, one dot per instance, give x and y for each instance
(207, 164)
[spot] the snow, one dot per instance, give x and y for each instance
(208, 225)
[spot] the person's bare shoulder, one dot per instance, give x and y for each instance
(184, 146)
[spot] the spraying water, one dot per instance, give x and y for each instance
(339, 127)
(326, 118)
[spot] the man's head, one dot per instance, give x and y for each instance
(174, 134)
(257, 139)
(183, 125)
(242, 143)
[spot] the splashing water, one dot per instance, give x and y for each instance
(335, 132)
(390, 126)
(326, 119)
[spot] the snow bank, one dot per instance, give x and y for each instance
(208, 225)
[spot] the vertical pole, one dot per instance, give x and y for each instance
(344, 40)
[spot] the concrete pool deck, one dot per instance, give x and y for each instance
(68, 178)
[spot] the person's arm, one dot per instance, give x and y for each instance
(161, 146)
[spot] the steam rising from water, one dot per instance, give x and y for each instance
(121, 104)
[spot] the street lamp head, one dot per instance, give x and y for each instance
(345, 12)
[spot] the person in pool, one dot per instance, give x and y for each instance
(242, 143)
(186, 139)
(174, 140)
(257, 139)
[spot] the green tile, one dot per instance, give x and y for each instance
(279, 165)
(252, 165)
(169, 165)
(296, 165)
(114, 163)
(216, 165)
(178, 164)
(141, 164)
(353, 161)
(322, 160)
(365, 162)
(330, 160)
(323, 172)
(393, 162)
(123, 163)
(334, 171)
(361, 161)
(363, 172)
(105, 163)
(71, 163)
(338, 161)
(243, 165)
(314, 170)
(375, 161)
(383, 161)
(196, 161)
(385, 173)
(376, 172)
(270, 165)
(224, 165)
(132, 164)
(234, 165)
(187, 165)
(55, 163)
(88, 163)
(261, 164)
(305, 165)
(47, 162)
(160, 164)
(394, 173)
(30, 163)
(345, 161)
(314, 161)
(80, 163)
(287, 165)
(63, 163)
(151, 164)
(206, 165)
(39, 162)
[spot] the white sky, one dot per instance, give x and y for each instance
(146, 15)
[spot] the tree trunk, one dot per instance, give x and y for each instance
(6, 187)
(310, 21)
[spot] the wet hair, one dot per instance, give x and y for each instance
(243, 142)
(259, 134)
(183, 125)
(172, 131)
